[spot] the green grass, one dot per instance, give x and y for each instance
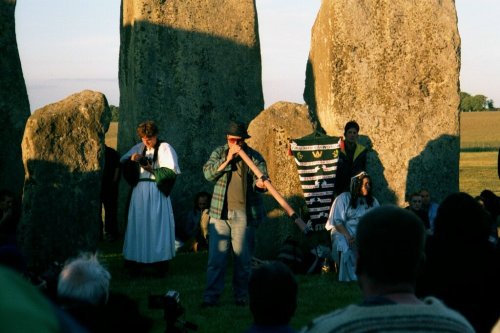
(478, 171)
(318, 294)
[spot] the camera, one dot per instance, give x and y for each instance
(172, 311)
(144, 161)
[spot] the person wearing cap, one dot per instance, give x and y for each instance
(343, 221)
(352, 157)
(235, 210)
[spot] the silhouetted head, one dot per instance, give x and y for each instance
(390, 243)
(461, 219)
(491, 202)
(272, 292)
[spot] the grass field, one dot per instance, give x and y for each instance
(480, 130)
(479, 141)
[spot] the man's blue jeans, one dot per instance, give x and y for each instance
(224, 235)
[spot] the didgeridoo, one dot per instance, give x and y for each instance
(276, 195)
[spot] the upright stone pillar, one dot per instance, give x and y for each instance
(63, 155)
(393, 66)
(14, 104)
(189, 65)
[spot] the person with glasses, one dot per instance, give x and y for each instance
(236, 210)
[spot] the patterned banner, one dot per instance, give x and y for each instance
(317, 156)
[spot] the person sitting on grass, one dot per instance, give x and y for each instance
(83, 292)
(415, 205)
(462, 267)
(272, 291)
(390, 243)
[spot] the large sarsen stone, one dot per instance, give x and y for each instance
(63, 156)
(393, 66)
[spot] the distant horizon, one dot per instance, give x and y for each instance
(66, 47)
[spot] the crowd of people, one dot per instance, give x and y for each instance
(433, 266)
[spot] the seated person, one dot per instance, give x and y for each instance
(83, 292)
(429, 206)
(390, 243)
(189, 232)
(415, 206)
(272, 291)
(10, 213)
(462, 268)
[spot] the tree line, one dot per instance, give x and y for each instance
(469, 103)
(114, 112)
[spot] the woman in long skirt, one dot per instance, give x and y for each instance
(150, 234)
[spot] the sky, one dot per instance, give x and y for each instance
(67, 46)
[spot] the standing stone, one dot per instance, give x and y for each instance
(191, 66)
(63, 156)
(393, 66)
(271, 132)
(14, 104)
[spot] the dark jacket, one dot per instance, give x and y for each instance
(348, 168)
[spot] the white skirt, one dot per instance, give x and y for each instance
(150, 235)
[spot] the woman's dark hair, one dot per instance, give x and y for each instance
(356, 191)
(147, 129)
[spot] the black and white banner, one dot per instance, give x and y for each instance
(317, 156)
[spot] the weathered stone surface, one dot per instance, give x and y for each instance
(393, 66)
(271, 132)
(14, 104)
(63, 156)
(189, 65)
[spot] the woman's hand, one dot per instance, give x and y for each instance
(136, 157)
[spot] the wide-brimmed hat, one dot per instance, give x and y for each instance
(237, 128)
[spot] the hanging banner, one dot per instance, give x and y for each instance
(317, 156)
